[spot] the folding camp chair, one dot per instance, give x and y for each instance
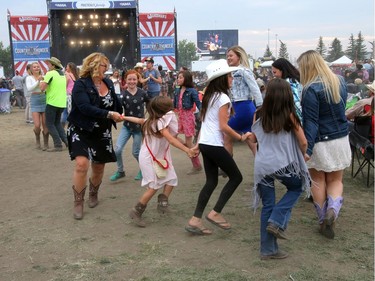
(363, 153)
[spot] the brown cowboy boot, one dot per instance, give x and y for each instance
(37, 138)
(162, 203)
(93, 194)
(136, 214)
(78, 203)
(45, 141)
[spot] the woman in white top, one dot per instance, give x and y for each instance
(215, 112)
(37, 104)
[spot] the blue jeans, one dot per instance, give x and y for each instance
(278, 214)
(53, 123)
(123, 138)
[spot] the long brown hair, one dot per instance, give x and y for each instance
(213, 89)
(157, 107)
(277, 108)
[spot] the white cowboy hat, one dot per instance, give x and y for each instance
(55, 62)
(371, 86)
(139, 65)
(218, 68)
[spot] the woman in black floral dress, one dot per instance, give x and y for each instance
(95, 109)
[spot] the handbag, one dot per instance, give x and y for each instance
(160, 165)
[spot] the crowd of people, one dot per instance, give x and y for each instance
(295, 124)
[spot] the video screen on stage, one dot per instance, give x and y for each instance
(216, 41)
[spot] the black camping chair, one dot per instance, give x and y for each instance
(362, 149)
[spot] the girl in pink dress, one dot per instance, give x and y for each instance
(185, 97)
(159, 131)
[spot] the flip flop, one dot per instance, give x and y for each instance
(220, 224)
(198, 230)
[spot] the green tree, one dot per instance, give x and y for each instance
(6, 60)
(351, 50)
(335, 50)
(321, 48)
(283, 51)
(186, 53)
(267, 53)
(361, 47)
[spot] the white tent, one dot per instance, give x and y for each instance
(344, 60)
(267, 63)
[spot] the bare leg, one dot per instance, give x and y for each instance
(334, 183)
(80, 173)
(318, 189)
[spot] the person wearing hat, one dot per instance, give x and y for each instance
(215, 111)
(139, 68)
(153, 78)
(54, 84)
(359, 107)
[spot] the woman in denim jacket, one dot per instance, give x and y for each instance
(326, 129)
(184, 98)
(95, 109)
(245, 96)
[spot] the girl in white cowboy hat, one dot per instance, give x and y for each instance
(215, 112)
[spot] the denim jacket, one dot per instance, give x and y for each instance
(86, 102)
(323, 121)
(244, 87)
(189, 97)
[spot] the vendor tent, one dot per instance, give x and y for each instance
(344, 60)
(266, 63)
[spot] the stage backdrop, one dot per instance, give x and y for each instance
(158, 38)
(30, 41)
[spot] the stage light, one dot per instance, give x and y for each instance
(120, 41)
(118, 16)
(96, 16)
(111, 41)
(91, 16)
(80, 42)
(124, 23)
(66, 24)
(88, 42)
(104, 42)
(72, 43)
(68, 17)
(76, 24)
(113, 23)
(95, 24)
(106, 23)
(106, 16)
(80, 17)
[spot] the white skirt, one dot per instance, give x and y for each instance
(330, 156)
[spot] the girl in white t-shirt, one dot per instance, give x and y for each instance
(215, 112)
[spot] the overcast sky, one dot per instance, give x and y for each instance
(297, 23)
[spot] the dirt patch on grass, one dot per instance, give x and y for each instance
(40, 240)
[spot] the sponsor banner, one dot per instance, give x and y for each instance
(158, 38)
(92, 4)
(30, 41)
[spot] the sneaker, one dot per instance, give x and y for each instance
(276, 231)
(278, 256)
(138, 176)
(117, 175)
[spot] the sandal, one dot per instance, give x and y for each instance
(222, 224)
(198, 230)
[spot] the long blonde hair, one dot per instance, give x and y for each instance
(241, 53)
(313, 69)
(91, 65)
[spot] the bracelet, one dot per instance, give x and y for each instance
(109, 115)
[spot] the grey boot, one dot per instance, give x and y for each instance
(79, 198)
(136, 214)
(93, 195)
(321, 212)
(45, 141)
(162, 203)
(37, 138)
